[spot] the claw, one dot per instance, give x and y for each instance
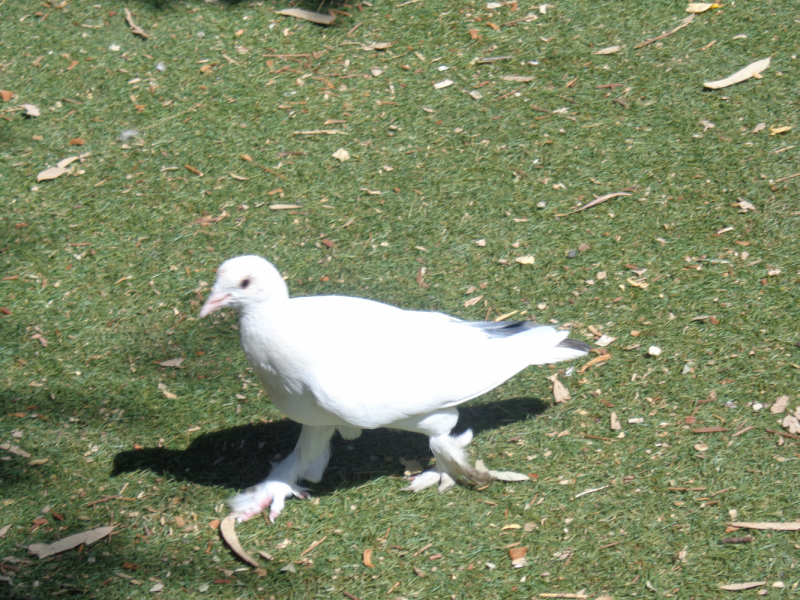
(267, 494)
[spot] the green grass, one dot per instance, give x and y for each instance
(106, 264)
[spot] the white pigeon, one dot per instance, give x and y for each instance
(341, 363)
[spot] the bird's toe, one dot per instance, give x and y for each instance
(424, 480)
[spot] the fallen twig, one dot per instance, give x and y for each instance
(594, 361)
(767, 525)
(786, 178)
(595, 202)
(135, 29)
(591, 491)
(784, 434)
(684, 23)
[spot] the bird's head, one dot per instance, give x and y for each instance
(245, 281)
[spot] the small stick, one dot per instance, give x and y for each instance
(784, 434)
(738, 540)
(135, 29)
(683, 24)
(595, 202)
(785, 178)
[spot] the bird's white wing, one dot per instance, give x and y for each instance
(372, 364)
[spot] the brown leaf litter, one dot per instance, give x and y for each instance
(228, 532)
(84, 538)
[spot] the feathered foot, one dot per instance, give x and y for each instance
(451, 464)
(254, 500)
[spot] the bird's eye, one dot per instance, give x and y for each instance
(245, 282)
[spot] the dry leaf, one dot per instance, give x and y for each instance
(518, 78)
(517, 556)
(307, 15)
(767, 525)
(172, 362)
(605, 340)
(51, 173)
(443, 84)
(227, 529)
(780, 405)
(239, 177)
(525, 260)
(759, 127)
(560, 392)
(206, 220)
(421, 277)
(78, 141)
(737, 587)
(5, 95)
(167, 394)
(341, 155)
(615, 424)
(377, 46)
(135, 29)
(38, 461)
(639, 283)
(508, 475)
(751, 70)
(745, 205)
(367, 558)
(701, 447)
(15, 449)
(473, 301)
(69, 542)
(791, 423)
(699, 7)
(609, 50)
(31, 110)
(283, 206)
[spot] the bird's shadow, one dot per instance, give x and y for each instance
(241, 456)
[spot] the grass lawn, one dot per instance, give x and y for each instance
(190, 145)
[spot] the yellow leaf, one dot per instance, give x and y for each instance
(778, 130)
(698, 7)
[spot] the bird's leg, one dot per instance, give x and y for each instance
(307, 461)
(451, 458)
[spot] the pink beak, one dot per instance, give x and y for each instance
(213, 302)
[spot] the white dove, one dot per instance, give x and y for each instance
(341, 363)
